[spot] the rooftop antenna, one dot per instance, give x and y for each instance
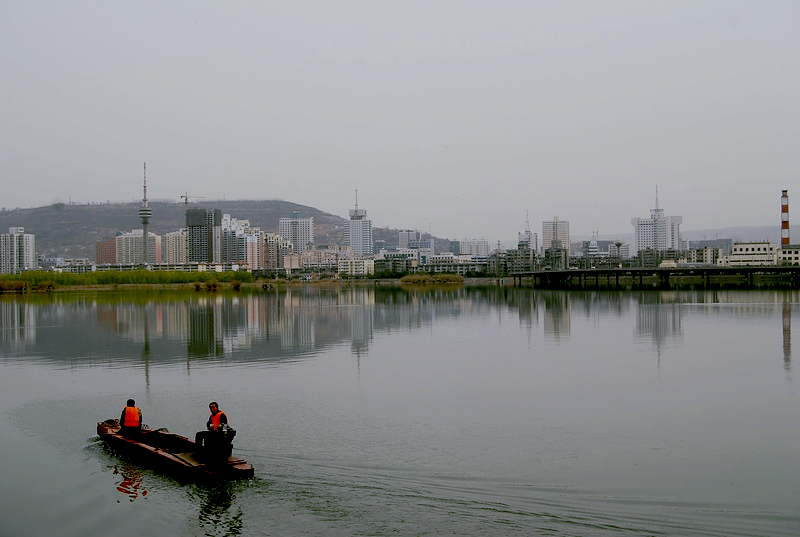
(527, 223)
(656, 197)
(356, 199)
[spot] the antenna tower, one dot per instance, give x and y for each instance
(145, 213)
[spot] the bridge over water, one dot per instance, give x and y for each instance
(661, 278)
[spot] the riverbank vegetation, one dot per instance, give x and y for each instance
(40, 280)
(44, 281)
(431, 279)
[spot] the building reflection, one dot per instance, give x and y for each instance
(18, 321)
(557, 316)
(283, 324)
(205, 329)
(786, 318)
(658, 318)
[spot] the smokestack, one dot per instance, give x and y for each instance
(785, 219)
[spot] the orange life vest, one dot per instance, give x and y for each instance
(131, 417)
(215, 419)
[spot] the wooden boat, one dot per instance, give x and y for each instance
(176, 454)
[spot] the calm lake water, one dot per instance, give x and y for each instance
(369, 411)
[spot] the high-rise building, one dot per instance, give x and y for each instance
(475, 247)
(276, 248)
(106, 251)
(659, 232)
(204, 235)
(555, 235)
(298, 230)
(17, 251)
(413, 239)
(407, 236)
(358, 232)
(242, 243)
(130, 248)
(175, 247)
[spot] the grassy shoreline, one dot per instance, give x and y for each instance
(44, 282)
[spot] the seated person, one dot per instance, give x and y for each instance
(217, 421)
(131, 419)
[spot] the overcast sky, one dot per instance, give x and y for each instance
(455, 117)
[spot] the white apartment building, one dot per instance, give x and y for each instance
(321, 260)
(356, 267)
(176, 252)
(555, 234)
(358, 233)
(17, 251)
(297, 230)
(659, 232)
(130, 245)
(477, 247)
(242, 243)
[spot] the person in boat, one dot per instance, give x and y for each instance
(215, 424)
(131, 419)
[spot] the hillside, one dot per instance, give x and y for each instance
(71, 230)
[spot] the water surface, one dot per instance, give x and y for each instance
(368, 411)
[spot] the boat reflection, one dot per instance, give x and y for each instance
(132, 483)
(218, 515)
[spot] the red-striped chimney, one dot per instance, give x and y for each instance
(785, 219)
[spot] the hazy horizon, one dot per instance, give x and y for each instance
(458, 118)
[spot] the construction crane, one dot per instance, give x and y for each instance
(186, 198)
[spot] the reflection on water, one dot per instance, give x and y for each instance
(218, 515)
(282, 325)
(370, 411)
(132, 483)
(659, 319)
(787, 333)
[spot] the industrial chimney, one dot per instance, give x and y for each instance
(785, 219)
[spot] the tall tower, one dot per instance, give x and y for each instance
(144, 213)
(785, 219)
(524, 239)
(358, 232)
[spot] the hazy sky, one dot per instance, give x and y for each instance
(458, 117)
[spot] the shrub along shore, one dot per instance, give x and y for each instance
(44, 281)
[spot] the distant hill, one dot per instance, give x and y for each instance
(71, 230)
(736, 234)
(744, 234)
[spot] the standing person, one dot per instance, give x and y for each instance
(214, 424)
(131, 419)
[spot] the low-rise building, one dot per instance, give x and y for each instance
(789, 255)
(356, 267)
(751, 254)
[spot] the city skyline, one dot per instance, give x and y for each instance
(454, 118)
